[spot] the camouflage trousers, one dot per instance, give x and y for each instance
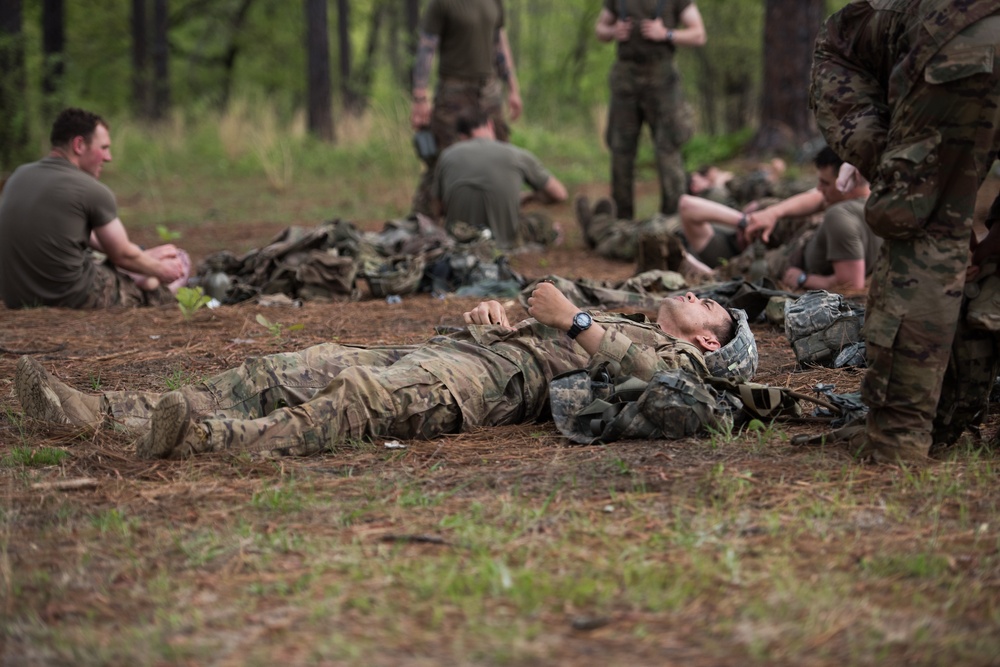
(618, 238)
(647, 93)
(452, 98)
(531, 228)
(922, 203)
(314, 400)
(112, 287)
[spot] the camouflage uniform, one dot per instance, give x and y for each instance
(306, 402)
(111, 287)
(616, 238)
(645, 88)
(908, 91)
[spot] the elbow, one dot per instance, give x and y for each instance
(699, 38)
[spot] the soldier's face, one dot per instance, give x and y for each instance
(689, 317)
(826, 183)
(97, 152)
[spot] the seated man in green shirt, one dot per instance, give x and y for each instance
(53, 212)
(478, 185)
(493, 373)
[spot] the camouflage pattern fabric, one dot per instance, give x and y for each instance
(452, 98)
(820, 324)
(112, 287)
(908, 91)
(480, 376)
(647, 92)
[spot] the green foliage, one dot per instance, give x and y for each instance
(178, 378)
(190, 300)
(277, 329)
(166, 234)
(33, 457)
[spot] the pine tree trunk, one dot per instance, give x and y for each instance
(14, 125)
(790, 28)
(140, 60)
(320, 112)
(161, 60)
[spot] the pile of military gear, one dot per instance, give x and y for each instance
(591, 407)
(825, 330)
(329, 262)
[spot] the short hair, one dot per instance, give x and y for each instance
(725, 331)
(73, 122)
(471, 120)
(827, 158)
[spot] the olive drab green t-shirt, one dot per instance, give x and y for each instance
(467, 32)
(843, 235)
(636, 47)
(47, 211)
(479, 182)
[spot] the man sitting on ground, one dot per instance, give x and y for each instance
(838, 254)
(492, 373)
(478, 185)
(54, 211)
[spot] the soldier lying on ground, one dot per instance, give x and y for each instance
(492, 373)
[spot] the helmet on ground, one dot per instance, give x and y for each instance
(737, 359)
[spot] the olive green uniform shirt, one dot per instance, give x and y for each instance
(479, 182)
(467, 32)
(47, 211)
(842, 236)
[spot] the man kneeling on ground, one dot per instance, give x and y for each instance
(493, 373)
(54, 211)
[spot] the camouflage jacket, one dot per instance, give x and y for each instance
(868, 57)
(478, 364)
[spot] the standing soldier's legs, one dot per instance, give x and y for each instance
(402, 401)
(667, 114)
(622, 136)
(942, 141)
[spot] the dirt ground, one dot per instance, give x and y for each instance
(154, 349)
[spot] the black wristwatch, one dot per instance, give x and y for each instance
(581, 322)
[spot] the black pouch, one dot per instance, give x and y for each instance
(424, 144)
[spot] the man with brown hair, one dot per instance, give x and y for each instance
(54, 211)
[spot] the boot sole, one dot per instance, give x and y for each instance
(38, 400)
(167, 426)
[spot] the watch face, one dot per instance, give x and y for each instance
(582, 320)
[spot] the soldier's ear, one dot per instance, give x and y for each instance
(708, 342)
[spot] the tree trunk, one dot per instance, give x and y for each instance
(366, 72)
(161, 60)
(233, 50)
(790, 28)
(14, 125)
(352, 104)
(53, 45)
(140, 60)
(320, 112)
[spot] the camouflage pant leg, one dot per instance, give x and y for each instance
(972, 370)
(258, 386)
(113, 288)
(537, 227)
(943, 139)
(651, 94)
(401, 401)
(452, 98)
(614, 238)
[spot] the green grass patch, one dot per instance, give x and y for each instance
(33, 457)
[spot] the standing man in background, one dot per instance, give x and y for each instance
(475, 61)
(908, 91)
(645, 88)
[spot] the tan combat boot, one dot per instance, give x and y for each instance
(45, 398)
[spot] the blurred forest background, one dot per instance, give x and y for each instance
(280, 86)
